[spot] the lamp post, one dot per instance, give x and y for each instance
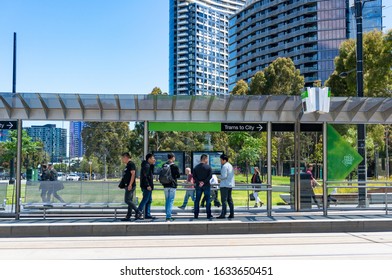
(361, 129)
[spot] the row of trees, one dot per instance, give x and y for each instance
(32, 151)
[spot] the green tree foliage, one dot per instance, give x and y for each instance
(377, 49)
(176, 140)
(257, 84)
(241, 88)
(32, 153)
(250, 153)
(136, 140)
(156, 91)
(283, 78)
(279, 78)
(108, 139)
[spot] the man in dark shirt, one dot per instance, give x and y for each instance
(202, 175)
(170, 189)
(147, 185)
(45, 184)
(129, 180)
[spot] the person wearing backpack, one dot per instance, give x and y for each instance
(128, 182)
(168, 178)
(202, 175)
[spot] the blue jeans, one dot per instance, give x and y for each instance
(207, 195)
(170, 194)
(145, 204)
(188, 194)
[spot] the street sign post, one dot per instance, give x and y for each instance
(13, 125)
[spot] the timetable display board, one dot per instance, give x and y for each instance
(161, 158)
(213, 160)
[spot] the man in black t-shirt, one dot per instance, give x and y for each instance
(129, 180)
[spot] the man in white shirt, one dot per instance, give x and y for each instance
(226, 186)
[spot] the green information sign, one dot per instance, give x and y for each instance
(184, 126)
(342, 157)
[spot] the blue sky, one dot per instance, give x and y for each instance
(89, 46)
(85, 46)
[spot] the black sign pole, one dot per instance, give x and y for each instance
(19, 144)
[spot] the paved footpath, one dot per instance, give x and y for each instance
(314, 246)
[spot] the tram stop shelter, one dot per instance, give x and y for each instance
(268, 111)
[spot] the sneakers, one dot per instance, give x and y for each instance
(170, 219)
(139, 216)
(182, 207)
(220, 217)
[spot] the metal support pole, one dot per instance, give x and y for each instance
(18, 170)
(145, 147)
(269, 168)
(297, 164)
(325, 169)
(387, 152)
(12, 165)
(362, 192)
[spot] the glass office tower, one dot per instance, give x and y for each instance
(372, 17)
(76, 148)
(310, 32)
(199, 46)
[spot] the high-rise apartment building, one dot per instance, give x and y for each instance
(310, 32)
(372, 16)
(199, 46)
(54, 140)
(76, 148)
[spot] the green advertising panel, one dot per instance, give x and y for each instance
(184, 126)
(342, 157)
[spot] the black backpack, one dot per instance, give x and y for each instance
(165, 176)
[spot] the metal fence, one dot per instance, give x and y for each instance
(104, 194)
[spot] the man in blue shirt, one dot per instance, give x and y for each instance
(226, 186)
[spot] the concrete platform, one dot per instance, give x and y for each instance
(245, 223)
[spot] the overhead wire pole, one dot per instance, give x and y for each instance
(361, 129)
(269, 169)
